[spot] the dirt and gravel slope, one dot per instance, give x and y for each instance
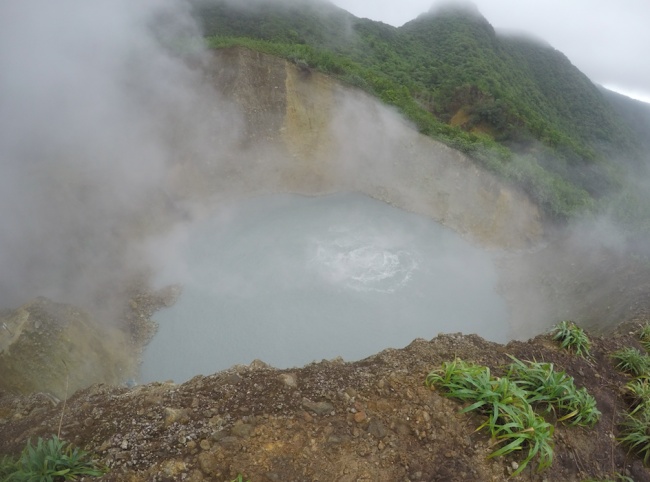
(371, 420)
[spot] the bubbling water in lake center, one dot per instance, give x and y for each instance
(290, 279)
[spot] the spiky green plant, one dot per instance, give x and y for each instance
(623, 478)
(555, 391)
(585, 411)
(635, 433)
(508, 403)
(523, 428)
(632, 361)
(7, 467)
(572, 337)
(544, 385)
(49, 461)
(510, 418)
(617, 478)
(240, 478)
(644, 336)
(638, 394)
(502, 396)
(469, 382)
(457, 374)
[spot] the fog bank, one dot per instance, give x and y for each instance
(94, 109)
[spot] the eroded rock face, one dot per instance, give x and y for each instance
(305, 133)
(57, 348)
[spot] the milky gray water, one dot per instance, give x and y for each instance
(290, 279)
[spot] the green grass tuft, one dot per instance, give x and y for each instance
(240, 478)
(509, 401)
(635, 434)
(617, 478)
(631, 360)
(638, 394)
(556, 391)
(48, 461)
(644, 336)
(523, 428)
(572, 337)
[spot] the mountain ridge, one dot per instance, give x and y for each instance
(491, 96)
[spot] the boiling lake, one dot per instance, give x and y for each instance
(290, 279)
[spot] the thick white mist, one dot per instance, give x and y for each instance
(95, 107)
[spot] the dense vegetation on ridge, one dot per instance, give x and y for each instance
(514, 104)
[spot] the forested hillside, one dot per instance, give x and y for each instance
(516, 105)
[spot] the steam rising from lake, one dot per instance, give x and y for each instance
(289, 279)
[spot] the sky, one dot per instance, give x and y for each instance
(607, 40)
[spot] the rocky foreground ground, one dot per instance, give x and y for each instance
(371, 420)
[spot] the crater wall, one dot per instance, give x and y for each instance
(303, 132)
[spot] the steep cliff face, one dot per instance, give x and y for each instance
(303, 132)
(55, 348)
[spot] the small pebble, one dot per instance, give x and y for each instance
(360, 416)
